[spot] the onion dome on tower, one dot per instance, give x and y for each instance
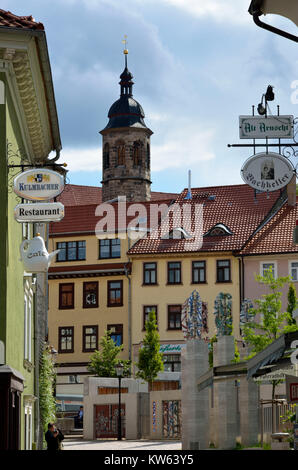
(126, 146)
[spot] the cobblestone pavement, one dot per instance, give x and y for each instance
(81, 444)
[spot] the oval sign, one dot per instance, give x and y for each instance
(38, 184)
(267, 171)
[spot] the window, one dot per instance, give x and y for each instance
(146, 311)
(174, 317)
(116, 333)
(121, 153)
(90, 338)
(27, 327)
(115, 293)
(148, 157)
(66, 295)
(90, 294)
(294, 270)
(174, 273)
(109, 248)
(66, 339)
(265, 266)
(223, 271)
(106, 156)
(172, 362)
(137, 153)
(150, 273)
(71, 251)
(198, 272)
(28, 426)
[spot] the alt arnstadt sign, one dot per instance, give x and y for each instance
(271, 127)
(267, 171)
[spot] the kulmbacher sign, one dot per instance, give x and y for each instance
(39, 184)
(267, 171)
(271, 127)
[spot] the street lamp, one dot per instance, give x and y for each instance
(119, 372)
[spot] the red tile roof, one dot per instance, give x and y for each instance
(85, 218)
(234, 206)
(77, 195)
(276, 236)
(9, 20)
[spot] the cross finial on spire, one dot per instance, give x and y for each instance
(125, 51)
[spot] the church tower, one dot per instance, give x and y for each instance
(126, 147)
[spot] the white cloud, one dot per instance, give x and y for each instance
(77, 159)
(229, 11)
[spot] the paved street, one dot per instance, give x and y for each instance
(80, 444)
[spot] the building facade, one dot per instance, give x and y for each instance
(29, 132)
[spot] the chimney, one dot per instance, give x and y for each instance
(291, 190)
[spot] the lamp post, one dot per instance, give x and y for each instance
(119, 373)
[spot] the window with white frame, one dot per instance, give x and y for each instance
(294, 270)
(266, 265)
(28, 427)
(28, 299)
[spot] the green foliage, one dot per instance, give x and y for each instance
(47, 379)
(150, 359)
(102, 363)
(292, 304)
(272, 323)
(210, 354)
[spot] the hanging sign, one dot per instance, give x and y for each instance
(39, 184)
(271, 127)
(267, 171)
(39, 212)
(35, 256)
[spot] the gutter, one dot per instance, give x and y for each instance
(256, 12)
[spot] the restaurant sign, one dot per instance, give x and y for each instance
(39, 184)
(39, 212)
(271, 127)
(267, 171)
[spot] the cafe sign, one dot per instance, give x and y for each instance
(39, 212)
(271, 127)
(267, 171)
(38, 184)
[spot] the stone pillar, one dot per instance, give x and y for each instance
(249, 411)
(225, 402)
(195, 405)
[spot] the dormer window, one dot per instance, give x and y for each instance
(177, 233)
(218, 229)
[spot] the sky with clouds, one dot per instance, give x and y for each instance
(197, 66)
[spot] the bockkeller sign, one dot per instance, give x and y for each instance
(267, 171)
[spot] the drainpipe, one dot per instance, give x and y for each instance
(129, 304)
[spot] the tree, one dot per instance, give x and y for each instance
(102, 363)
(150, 359)
(272, 322)
(292, 304)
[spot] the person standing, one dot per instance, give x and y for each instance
(54, 438)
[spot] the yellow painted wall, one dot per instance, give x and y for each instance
(163, 295)
(79, 316)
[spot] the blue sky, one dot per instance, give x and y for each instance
(197, 66)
